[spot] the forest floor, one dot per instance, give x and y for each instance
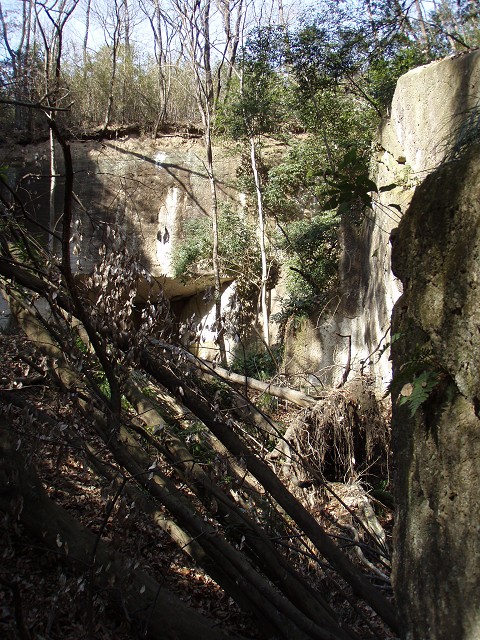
(49, 597)
(42, 599)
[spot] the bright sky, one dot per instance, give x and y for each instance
(75, 30)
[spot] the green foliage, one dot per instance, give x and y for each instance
(304, 181)
(89, 85)
(237, 246)
(195, 249)
(329, 53)
(418, 378)
(455, 23)
(323, 50)
(354, 47)
(384, 71)
(24, 246)
(415, 393)
(350, 183)
(194, 439)
(256, 103)
(256, 110)
(262, 365)
(314, 242)
(284, 193)
(312, 251)
(245, 179)
(304, 184)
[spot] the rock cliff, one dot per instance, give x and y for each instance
(146, 188)
(429, 149)
(150, 188)
(436, 255)
(434, 114)
(143, 188)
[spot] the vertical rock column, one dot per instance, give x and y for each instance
(436, 254)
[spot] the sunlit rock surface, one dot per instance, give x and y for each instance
(433, 115)
(436, 255)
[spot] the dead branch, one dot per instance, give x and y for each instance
(269, 480)
(213, 369)
(152, 606)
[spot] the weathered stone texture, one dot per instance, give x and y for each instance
(147, 188)
(436, 254)
(434, 112)
(433, 109)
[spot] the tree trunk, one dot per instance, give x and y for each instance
(53, 184)
(301, 614)
(279, 571)
(111, 88)
(284, 393)
(421, 20)
(220, 330)
(263, 252)
(20, 61)
(208, 107)
(275, 487)
(85, 38)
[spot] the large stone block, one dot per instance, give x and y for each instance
(436, 253)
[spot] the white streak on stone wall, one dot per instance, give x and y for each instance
(201, 310)
(167, 216)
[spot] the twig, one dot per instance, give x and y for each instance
(91, 578)
(34, 105)
(349, 361)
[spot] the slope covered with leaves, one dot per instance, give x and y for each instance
(45, 596)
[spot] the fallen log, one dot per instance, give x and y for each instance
(224, 558)
(225, 563)
(274, 565)
(284, 393)
(269, 480)
(213, 369)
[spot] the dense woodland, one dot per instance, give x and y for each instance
(115, 441)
